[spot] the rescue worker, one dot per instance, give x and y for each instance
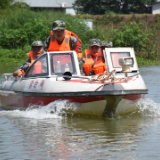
(94, 59)
(61, 39)
(37, 50)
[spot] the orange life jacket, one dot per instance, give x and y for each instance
(65, 46)
(90, 65)
(37, 66)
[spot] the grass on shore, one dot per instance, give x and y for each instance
(147, 62)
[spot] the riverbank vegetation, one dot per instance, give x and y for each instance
(100, 7)
(20, 26)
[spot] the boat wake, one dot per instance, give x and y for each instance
(56, 109)
(145, 107)
(148, 108)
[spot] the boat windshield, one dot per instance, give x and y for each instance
(39, 68)
(61, 63)
(116, 55)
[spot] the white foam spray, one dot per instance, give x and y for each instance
(56, 109)
(148, 108)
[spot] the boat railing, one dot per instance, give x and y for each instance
(131, 76)
(8, 76)
(66, 76)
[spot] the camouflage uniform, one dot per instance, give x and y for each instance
(95, 42)
(106, 44)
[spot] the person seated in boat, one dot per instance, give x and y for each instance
(61, 39)
(94, 59)
(37, 50)
(105, 44)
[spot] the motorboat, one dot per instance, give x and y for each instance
(57, 76)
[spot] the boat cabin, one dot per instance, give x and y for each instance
(54, 63)
(57, 63)
(115, 56)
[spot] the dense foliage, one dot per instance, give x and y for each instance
(19, 27)
(132, 35)
(115, 6)
(5, 3)
(23, 26)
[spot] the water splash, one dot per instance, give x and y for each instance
(148, 108)
(62, 108)
(56, 109)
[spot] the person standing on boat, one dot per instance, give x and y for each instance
(94, 59)
(37, 50)
(61, 39)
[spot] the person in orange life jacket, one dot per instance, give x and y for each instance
(105, 44)
(61, 39)
(37, 50)
(94, 59)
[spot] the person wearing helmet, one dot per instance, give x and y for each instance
(37, 50)
(94, 58)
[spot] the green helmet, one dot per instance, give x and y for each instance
(37, 43)
(94, 42)
(106, 44)
(58, 25)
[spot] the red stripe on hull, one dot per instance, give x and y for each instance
(19, 101)
(133, 97)
(47, 100)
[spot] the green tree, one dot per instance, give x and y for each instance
(5, 3)
(133, 35)
(136, 6)
(116, 6)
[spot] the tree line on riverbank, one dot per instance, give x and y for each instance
(20, 26)
(98, 7)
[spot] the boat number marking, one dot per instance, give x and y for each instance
(34, 85)
(30, 86)
(42, 84)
